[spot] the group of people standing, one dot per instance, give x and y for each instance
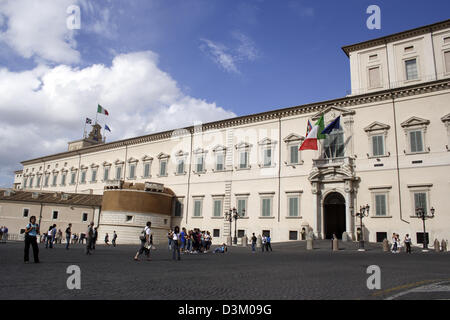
(397, 244)
(3, 234)
(192, 241)
(265, 243)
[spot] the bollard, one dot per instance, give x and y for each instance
(345, 237)
(385, 245)
(229, 243)
(436, 245)
(244, 241)
(443, 246)
(335, 244)
(309, 241)
(259, 242)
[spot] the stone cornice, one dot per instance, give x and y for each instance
(397, 36)
(344, 102)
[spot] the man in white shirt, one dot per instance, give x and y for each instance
(145, 242)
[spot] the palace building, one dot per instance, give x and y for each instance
(391, 153)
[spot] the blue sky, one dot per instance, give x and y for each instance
(143, 59)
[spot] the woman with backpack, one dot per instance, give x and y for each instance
(145, 242)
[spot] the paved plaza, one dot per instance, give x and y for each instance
(289, 272)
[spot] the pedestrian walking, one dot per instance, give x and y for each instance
(176, 243)
(268, 245)
(49, 242)
(263, 243)
(90, 238)
(169, 238)
(31, 232)
(253, 243)
(68, 235)
(394, 247)
(407, 242)
(114, 239)
(107, 239)
(145, 242)
(94, 242)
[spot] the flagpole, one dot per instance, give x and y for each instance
(84, 133)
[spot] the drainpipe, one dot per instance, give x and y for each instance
(78, 172)
(279, 166)
(189, 175)
(397, 160)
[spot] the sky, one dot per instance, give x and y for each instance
(164, 64)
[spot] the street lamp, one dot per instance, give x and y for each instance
(423, 215)
(363, 212)
(229, 218)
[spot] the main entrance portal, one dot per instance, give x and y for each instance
(334, 215)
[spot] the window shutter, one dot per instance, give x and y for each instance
(294, 154)
(447, 61)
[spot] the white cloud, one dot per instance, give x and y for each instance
(44, 108)
(228, 58)
(219, 54)
(39, 29)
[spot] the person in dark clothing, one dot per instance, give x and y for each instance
(253, 243)
(114, 239)
(90, 238)
(31, 232)
(68, 235)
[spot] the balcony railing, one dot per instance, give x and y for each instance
(332, 162)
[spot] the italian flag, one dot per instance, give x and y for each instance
(102, 110)
(314, 134)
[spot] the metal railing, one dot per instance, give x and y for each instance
(330, 162)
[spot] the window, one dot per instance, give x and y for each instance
(293, 235)
(446, 40)
(419, 237)
(132, 174)
(411, 69)
(242, 206)
(381, 236)
(55, 215)
(294, 206)
(31, 182)
(293, 154)
(25, 182)
(240, 233)
(55, 176)
(420, 201)
(200, 165)
(105, 173)
(46, 180)
(63, 179)
(374, 77)
(380, 205)
(373, 57)
(26, 212)
(266, 207)
(178, 207)
(146, 169)
(267, 155)
(409, 49)
(94, 175)
(180, 166)
(163, 168)
(378, 145)
(447, 61)
(129, 219)
(266, 233)
(220, 160)
(38, 181)
(216, 233)
(217, 210)
(83, 176)
(334, 144)
(243, 160)
(416, 141)
(84, 217)
(73, 176)
(197, 208)
(118, 172)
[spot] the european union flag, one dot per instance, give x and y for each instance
(107, 128)
(335, 124)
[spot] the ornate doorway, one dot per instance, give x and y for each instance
(334, 215)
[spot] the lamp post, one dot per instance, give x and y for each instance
(424, 216)
(363, 212)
